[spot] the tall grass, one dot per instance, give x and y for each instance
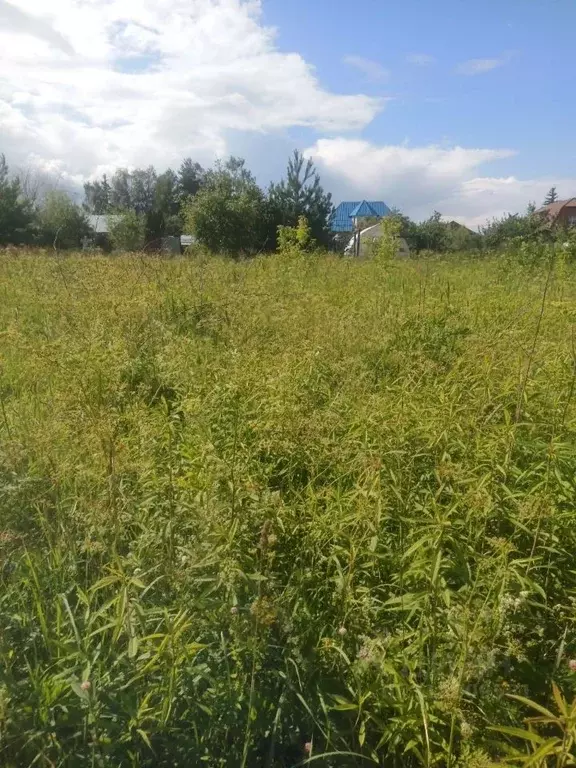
(285, 511)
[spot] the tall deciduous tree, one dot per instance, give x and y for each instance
(143, 189)
(190, 178)
(16, 212)
(97, 196)
(229, 214)
(121, 190)
(62, 223)
(301, 194)
(167, 203)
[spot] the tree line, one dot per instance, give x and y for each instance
(224, 208)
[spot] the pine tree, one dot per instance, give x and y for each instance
(302, 194)
(551, 197)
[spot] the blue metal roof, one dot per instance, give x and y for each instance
(342, 221)
(362, 210)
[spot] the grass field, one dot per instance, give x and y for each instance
(255, 513)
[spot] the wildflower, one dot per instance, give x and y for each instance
(572, 665)
(86, 685)
(234, 610)
(342, 631)
(308, 748)
(364, 654)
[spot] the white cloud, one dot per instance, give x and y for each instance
(483, 198)
(480, 66)
(418, 180)
(372, 69)
(420, 59)
(87, 85)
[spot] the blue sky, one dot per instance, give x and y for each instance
(458, 106)
(526, 103)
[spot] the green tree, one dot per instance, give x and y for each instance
(551, 197)
(432, 234)
(499, 232)
(128, 233)
(190, 178)
(229, 214)
(121, 190)
(167, 203)
(97, 196)
(16, 212)
(62, 223)
(143, 189)
(301, 194)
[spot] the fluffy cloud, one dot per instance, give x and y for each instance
(86, 85)
(418, 180)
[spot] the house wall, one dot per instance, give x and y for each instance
(567, 216)
(368, 238)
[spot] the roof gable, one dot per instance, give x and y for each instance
(342, 221)
(363, 210)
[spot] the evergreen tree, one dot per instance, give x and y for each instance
(551, 197)
(190, 178)
(16, 212)
(301, 194)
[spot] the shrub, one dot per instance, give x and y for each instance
(128, 233)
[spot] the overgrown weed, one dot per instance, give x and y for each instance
(257, 513)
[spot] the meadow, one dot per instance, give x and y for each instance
(297, 510)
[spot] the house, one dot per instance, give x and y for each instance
(561, 213)
(348, 214)
(102, 223)
(367, 238)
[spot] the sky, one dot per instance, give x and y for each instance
(461, 107)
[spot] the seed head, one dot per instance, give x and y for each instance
(572, 665)
(234, 610)
(342, 631)
(308, 747)
(86, 685)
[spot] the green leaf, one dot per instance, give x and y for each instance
(533, 705)
(133, 647)
(519, 733)
(75, 685)
(546, 749)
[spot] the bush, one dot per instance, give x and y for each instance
(62, 224)
(295, 239)
(128, 233)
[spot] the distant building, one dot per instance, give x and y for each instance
(368, 237)
(102, 224)
(348, 214)
(561, 213)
